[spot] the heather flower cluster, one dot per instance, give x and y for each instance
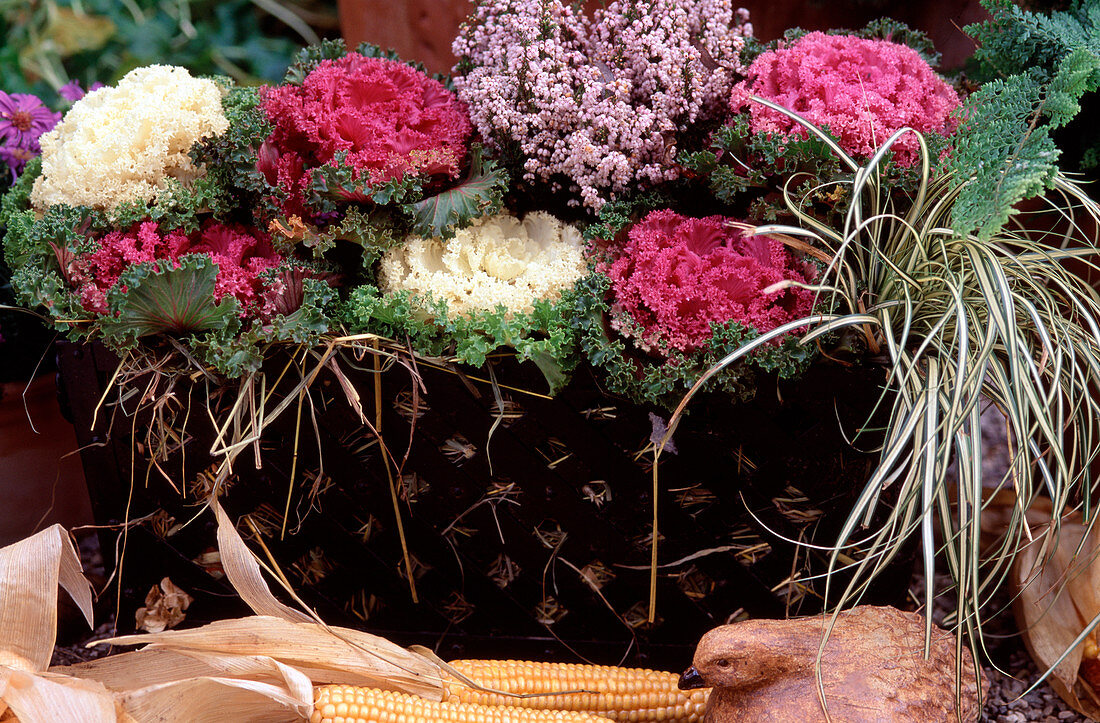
(598, 104)
(499, 260)
(863, 90)
(240, 254)
(122, 143)
(23, 120)
(675, 277)
(390, 120)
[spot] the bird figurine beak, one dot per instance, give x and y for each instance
(691, 679)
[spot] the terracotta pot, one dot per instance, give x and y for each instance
(423, 29)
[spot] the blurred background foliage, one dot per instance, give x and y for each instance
(47, 43)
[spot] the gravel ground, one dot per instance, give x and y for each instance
(1005, 704)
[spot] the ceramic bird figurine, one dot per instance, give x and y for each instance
(873, 670)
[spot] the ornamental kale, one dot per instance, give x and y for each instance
(385, 119)
(240, 256)
(862, 90)
(123, 143)
(498, 261)
(676, 277)
(502, 282)
(680, 293)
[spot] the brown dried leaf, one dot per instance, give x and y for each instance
(1058, 579)
(164, 607)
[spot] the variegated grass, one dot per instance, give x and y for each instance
(959, 323)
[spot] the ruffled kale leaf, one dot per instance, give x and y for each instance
(375, 230)
(309, 58)
(162, 298)
(739, 161)
(663, 381)
(337, 182)
(479, 194)
(230, 158)
(18, 198)
(545, 336)
(237, 355)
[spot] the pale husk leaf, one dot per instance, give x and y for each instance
(30, 571)
(45, 698)
(244, 572)
(199, 700)
(340, 656)
(154, 666)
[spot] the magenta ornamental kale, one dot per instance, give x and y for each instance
(389, 118)
(863, 90)
(241, 255)
(675, 276)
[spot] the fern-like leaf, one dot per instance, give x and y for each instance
(1004, 147)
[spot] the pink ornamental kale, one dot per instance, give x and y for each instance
(675, 276)
(863, 90)
(391, 119)
(598, 102)
(241, 255)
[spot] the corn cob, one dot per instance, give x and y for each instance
(621, 694)
(354, 704)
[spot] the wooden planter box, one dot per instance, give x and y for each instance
(546, 553)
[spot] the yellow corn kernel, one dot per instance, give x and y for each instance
(621, 694)
(355, 704)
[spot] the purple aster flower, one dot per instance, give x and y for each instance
(23, 119)
(72, 91)
(16, 158)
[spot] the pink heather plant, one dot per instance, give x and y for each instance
(240, 254)
(675, 276)
(390, 118)
(862, 89)
(597, 103)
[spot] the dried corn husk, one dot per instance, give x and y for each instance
(256, 668)
(30, 572)
(326, 657)
(48, 698)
